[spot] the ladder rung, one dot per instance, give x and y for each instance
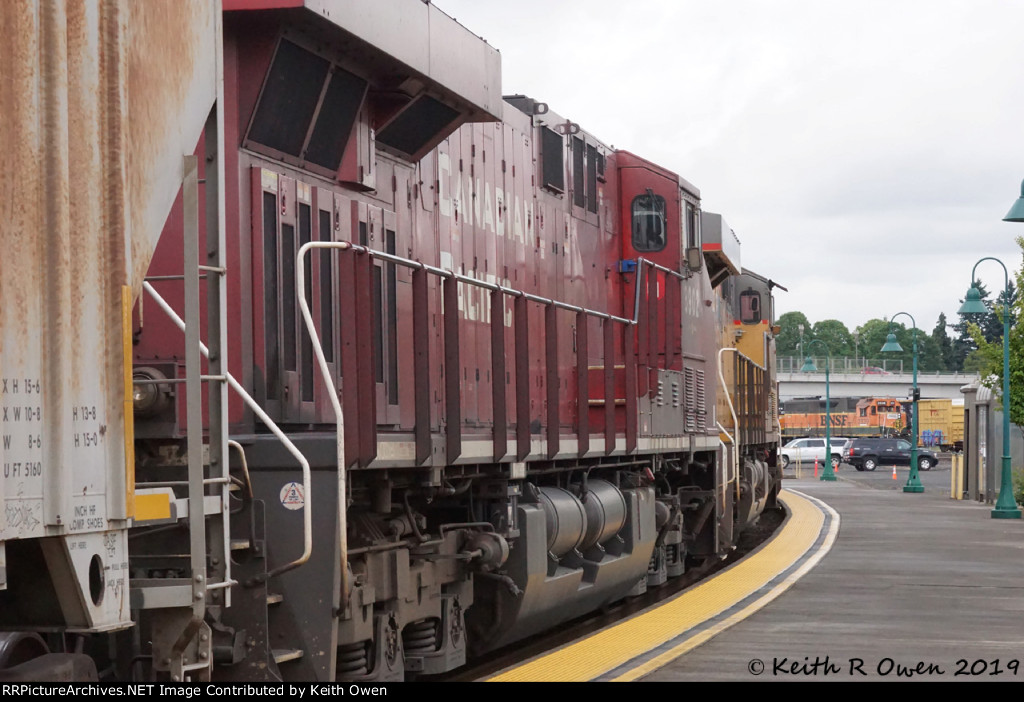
(274, 598)
(239, 544)
(283, 655)
(170, 277)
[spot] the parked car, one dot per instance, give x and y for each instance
(806, 450)
(868, 454)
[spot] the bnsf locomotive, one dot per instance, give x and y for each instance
(392, 372)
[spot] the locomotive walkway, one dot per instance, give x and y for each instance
(862, 582)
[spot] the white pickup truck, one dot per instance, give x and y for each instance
(804, 451)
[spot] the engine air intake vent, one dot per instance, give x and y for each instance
(418, 127)
(307, 109)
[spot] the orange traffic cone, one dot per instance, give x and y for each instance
(894, 471)
(815, 467)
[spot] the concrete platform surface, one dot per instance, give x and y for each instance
(915, 587)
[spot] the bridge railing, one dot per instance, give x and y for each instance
(867, 367)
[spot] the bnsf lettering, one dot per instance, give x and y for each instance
(838, 420)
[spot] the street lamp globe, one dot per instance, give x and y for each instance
(972, 302)
(891, 344)
(1016, 213)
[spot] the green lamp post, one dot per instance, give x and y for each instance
(829, 472)
(914, 481)
(1006, 506)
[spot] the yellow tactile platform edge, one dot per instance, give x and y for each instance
(618, 644)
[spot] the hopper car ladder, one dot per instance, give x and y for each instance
(187, 630)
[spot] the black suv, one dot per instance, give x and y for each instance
(868, 454)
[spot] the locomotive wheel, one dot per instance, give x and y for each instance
(20, 647)
(870, 464)
(924, 463)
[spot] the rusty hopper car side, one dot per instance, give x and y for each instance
(463, 365)
(99, 101)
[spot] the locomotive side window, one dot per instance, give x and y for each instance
(750, 307)
(692, 227)
(648, 222)
(552, 160)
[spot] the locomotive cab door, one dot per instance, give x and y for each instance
(651, 229)
(650, 214)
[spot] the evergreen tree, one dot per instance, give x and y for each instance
(992, 327)
(943, 344)
(990, 354)
(964, 342)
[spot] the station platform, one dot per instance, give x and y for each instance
(862, 582)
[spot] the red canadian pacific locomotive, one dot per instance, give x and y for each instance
(439, 370)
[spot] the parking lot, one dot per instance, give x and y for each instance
(936, 479)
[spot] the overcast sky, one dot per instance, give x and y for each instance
(864, 152)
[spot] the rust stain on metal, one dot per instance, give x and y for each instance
(170, 69)
(100, 99)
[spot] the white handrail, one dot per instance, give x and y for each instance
(332, 393)
(275, 430)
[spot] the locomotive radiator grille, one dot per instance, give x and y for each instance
(690, 398)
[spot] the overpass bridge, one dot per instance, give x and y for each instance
(848, 379)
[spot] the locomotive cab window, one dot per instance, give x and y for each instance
(750, 307)
(692, 227)
(648, 222)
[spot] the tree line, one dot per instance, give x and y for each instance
(973, 344)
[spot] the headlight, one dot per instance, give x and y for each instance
(150, 397)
